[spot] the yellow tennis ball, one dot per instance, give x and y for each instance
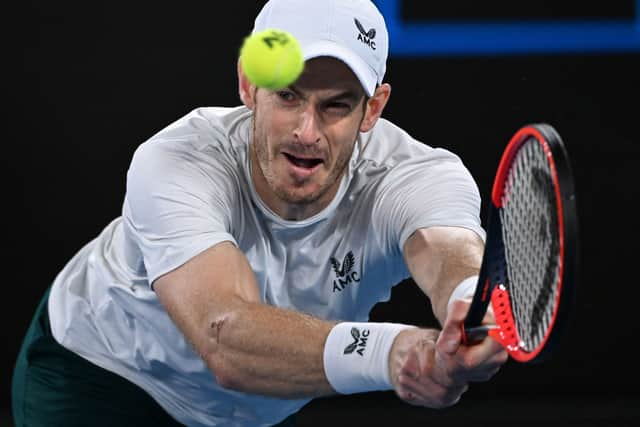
(271, 58)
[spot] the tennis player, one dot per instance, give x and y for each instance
(236, 285)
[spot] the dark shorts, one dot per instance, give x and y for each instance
(55, 387)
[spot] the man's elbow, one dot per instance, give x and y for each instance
(219, 358)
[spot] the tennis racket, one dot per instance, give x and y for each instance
(530, 258)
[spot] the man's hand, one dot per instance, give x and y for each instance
(433, 369)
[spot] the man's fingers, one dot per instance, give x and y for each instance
(477, 362)
(411, 392)
(436, 371)
(425, 392)
(487, 350)
(450, 338)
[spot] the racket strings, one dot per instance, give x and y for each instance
(531, 241)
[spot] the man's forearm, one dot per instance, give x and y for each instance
(439, 258)
(257, 348)
(265, 350)
(261, 349)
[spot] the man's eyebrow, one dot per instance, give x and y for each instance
(347, 94)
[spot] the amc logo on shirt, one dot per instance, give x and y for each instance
(344, 274)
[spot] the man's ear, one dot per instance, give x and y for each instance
(245, 88)
(375, 105)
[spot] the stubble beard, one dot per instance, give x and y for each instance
(265, 162)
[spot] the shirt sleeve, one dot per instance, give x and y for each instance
(432, 189)
(178, 202)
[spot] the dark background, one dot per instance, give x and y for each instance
(95, 79)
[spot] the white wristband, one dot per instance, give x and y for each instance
(464, 290)
(356, 356)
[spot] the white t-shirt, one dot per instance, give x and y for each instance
(189, 187)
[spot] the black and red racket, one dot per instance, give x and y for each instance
(530, 258)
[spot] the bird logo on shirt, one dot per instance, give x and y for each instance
(344, 275)
(347, 264)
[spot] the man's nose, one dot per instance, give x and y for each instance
(307, 130)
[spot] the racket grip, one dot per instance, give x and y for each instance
(476, 334)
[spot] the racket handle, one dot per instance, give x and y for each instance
(476, 334)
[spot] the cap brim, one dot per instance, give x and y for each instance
(361, 69)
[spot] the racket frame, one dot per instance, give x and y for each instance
(491, 280)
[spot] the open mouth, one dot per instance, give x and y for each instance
(303, 163)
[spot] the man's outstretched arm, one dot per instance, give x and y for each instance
(248, 346)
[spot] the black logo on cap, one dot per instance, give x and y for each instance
(365, 36)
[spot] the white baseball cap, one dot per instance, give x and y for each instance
(352, 31)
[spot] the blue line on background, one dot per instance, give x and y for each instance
(508, 38)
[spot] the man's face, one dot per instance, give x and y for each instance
(303, 137)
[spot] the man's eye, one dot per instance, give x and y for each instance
(342, 107)
(286, 95)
